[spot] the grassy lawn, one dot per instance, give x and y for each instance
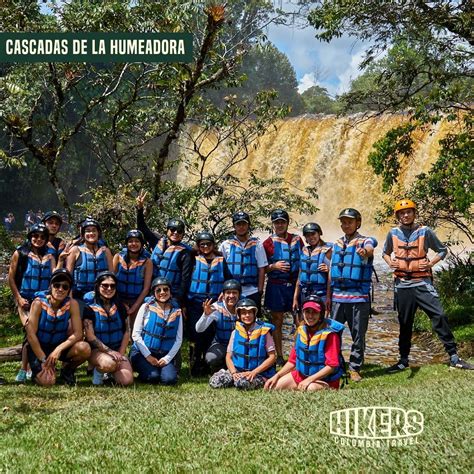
(191, 426)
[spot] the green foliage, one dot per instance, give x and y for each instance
(6, 245)
(317, 101)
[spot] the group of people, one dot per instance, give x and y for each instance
(129, 312)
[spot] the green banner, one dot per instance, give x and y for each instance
(96, 47)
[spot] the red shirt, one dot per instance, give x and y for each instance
(270, 248)
(331, 357)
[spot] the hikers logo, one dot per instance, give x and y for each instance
(376, 426)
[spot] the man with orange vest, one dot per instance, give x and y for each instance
(406, 252)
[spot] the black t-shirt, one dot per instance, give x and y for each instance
(90, 315)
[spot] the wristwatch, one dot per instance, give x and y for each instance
(43, 360)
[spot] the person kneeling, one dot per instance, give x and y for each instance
(250, 354)
(157, 336)
(315, 361)
(47, 332)
(106, 326)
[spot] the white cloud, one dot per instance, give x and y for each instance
(351, 72)
(307, 81)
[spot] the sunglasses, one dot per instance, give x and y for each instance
(62, 286)
(162, 290)
(174, 230)
(38, 236)
(205, 244)
(108, 286)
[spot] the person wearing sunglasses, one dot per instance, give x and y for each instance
(157, 336)
(133, 268)
(107, 332)
(50, 339)
(87, 259)
(207, 282)
(172, 258)
(30, 270)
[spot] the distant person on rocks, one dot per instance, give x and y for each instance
(246, 258)
(283, 254)
(406, 253)
(49, 337)
(157, 336)
(30, 270)
(38, 216)
(29, 220)
(221, 316)
(250, 355)
(351, 281)
(315, 361)
(9, 222)
(107, 332)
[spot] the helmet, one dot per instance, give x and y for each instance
(312, 227)
(316, 299)
(246, 303)
(404, 204)
(232, 285)
(240, 216)
(351, 213)
(204, 235)
(89, 222)
(105, 274)
(38, 229)
(176, 223)
(61, 274)
(160, 281)
(135, 234)
(278, 214)
(48, 215)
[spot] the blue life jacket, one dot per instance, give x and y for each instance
(108, 327)
(208, 278)
(131, 275)
(310, 357)
(349, 271)
(225, 323)
(289, 253)
(87, 267)
(242, 262)
(56, 247)
(36, 275)
(310, 277)
(88, 297)
(160, 331)
(248, 350)
(53, 326)
(165, 262)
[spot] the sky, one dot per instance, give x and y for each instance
(331, 65)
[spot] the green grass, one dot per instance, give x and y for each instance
(191, 426)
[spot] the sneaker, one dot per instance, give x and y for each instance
(21, 376)
(68, 376)
(355, 376)
(398, 367)
(29, 374)
(461, 364)
(280, 362)
(97, 377)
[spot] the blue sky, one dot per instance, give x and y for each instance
(331, 65)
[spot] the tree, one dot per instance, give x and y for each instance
(317, 101)
(427, 74)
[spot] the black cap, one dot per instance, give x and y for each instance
(232, 285)
(240, 216)
(312, 227)
(38, 229)
(48, 215)
(61, 274)
(176, 223)
(351, 213)
(135, 234)
(89, 222)
(160, 281)
(204, 235)
(278, 214)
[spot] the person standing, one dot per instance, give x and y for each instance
(406, 253)
(245, 258)
(53, 221)
(351, 281)
(283, 254)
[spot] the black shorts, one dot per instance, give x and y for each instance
(35, 363)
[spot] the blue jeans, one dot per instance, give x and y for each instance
(148, 373)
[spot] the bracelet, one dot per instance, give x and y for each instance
(43, 360)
